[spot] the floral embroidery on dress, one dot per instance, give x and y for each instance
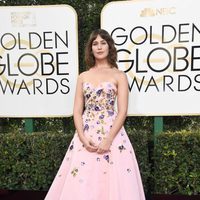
(98, 159)
(121, 148)
(106, 98)
(74, 172)
(99, 138)
(86, 127)
(106, 157)
(71, 146)
(82, 163)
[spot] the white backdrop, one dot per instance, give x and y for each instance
(38, 60)
(158, 43)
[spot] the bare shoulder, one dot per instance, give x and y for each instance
(82, 76)
(120, 76)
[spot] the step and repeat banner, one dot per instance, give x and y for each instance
(158, 43)
(38, 60)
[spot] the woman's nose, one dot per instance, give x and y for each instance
(99, 46)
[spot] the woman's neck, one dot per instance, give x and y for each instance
(103, 64)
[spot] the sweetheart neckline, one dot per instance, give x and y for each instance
(100, 84)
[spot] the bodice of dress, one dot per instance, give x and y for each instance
(101, 97)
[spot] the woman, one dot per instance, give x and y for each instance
(100, 163)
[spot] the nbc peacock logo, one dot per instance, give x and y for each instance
(152, 12)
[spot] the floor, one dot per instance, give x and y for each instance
(40, 195)
(21, 195)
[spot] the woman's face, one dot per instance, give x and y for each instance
(100, 48)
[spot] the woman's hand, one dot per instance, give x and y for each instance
(104, 146)
(89, 144)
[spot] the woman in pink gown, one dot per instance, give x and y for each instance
(100, 163)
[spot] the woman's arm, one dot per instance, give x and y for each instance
(122, 104)
(78, 107)
(78, 112)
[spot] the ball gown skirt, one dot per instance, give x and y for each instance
(87, 175)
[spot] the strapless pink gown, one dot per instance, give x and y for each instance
(90, 176)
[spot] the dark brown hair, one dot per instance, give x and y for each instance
(112, 56)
